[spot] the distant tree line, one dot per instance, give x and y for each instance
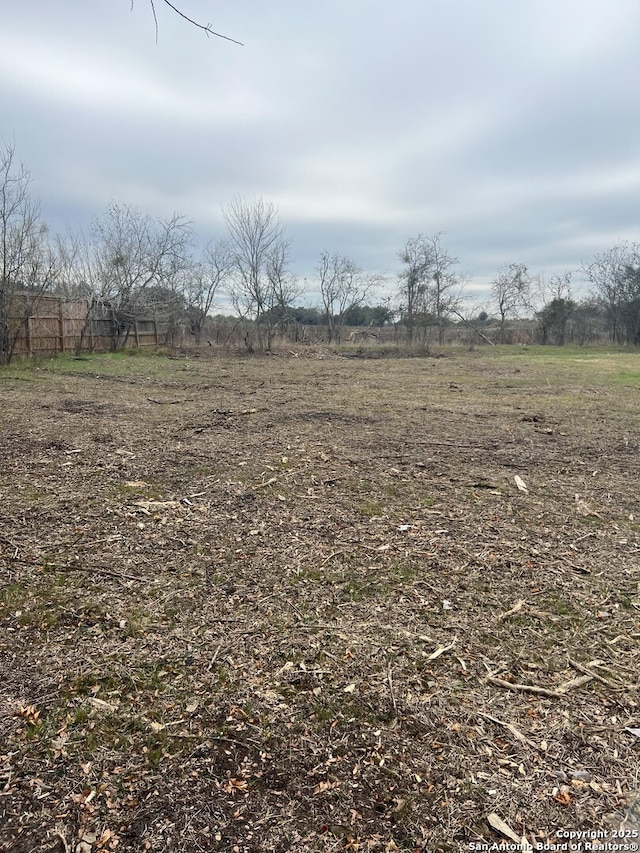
(131, 266)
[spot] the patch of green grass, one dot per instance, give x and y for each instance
(94, 683)
(147, 489)
(79, 717)
(627, 378)
(40, 603)
(370, 508)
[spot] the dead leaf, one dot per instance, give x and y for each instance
(349, 688)
(563, 798)
(235, 785)
(58, 745)
(517, 607)
(100, 704)
(520, 483)
(28, 713)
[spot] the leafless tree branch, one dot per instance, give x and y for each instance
(206, 28)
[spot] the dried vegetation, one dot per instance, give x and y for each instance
(309, 603)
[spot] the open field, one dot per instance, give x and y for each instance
(302, 604)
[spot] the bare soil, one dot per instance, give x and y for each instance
(315, 603)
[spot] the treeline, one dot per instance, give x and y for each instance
(130, 266)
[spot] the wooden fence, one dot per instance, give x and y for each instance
(55, 325)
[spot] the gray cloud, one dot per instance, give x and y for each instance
(512, 127)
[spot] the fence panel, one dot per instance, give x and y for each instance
(55, 325)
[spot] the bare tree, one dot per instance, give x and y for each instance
(259, 254)
(615, 276)
(204, 281)
(283, 291)
(413, 281)
(560, 286)
(557, 310)
(27, 263)
(343, 285)
(429, 284)
(132, 253)
(511, 290)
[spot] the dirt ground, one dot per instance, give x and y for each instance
(312, 602)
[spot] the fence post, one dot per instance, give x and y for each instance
(61, 329)
(135, 332)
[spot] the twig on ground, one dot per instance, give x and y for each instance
(523, 688)
(585, 669)
(510, 727)
(391, 690)
(575, 682)
(169, 402)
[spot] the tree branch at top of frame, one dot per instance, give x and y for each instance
(206, 28)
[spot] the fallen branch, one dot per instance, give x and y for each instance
(575, 682)
(264, 485)
(582, 668)
(441, 649)
(524, 688)
(542, 691)
(496, 823)
(391, 690)
(514, 731)
(473, 328)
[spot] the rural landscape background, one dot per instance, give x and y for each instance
(95, 290)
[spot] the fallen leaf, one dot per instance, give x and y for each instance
(517, 607)
(100, 704)
(563, 798)
(520, 483)
(349, 688)
(28, 713)
(234, 785)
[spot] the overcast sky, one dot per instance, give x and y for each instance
(513, 126)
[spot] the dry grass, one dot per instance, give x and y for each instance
(276, 604)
